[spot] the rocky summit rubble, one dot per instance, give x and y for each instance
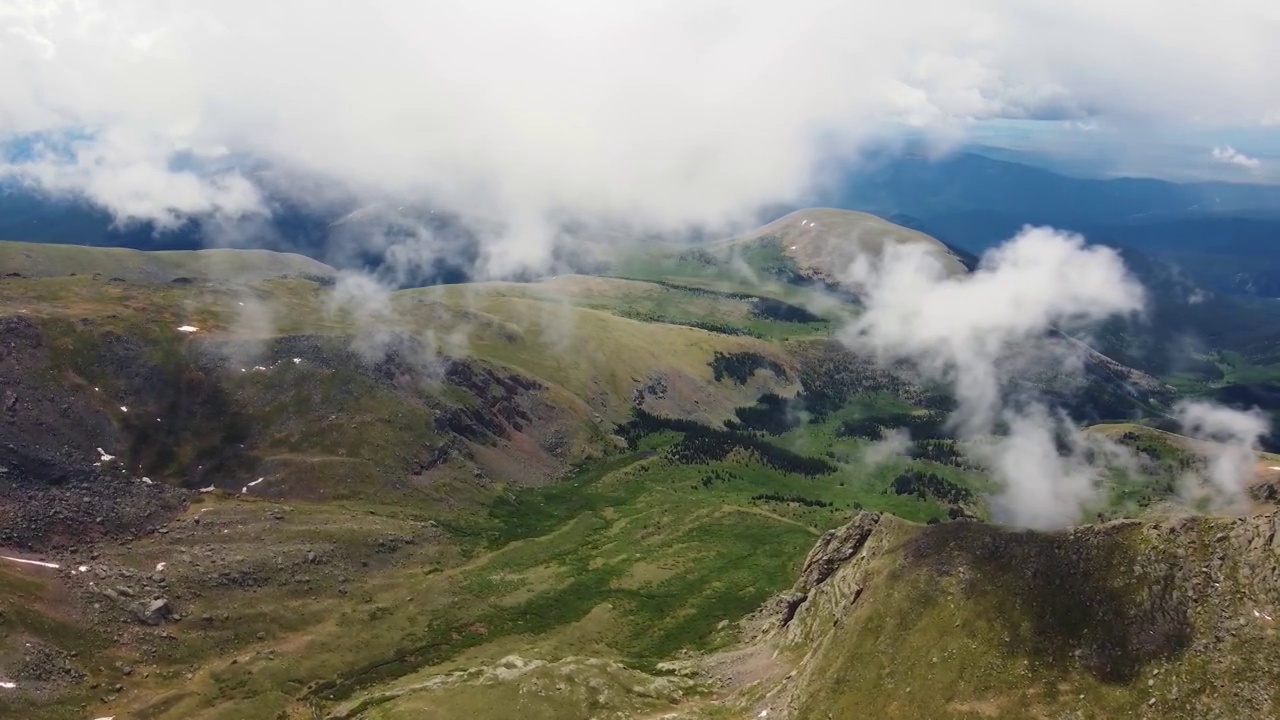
(89, 506)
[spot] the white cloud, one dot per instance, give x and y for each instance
(1228, 154)
(970, 328)
(974, 331)
(1232, 441)
(982, 332)
(664, 113)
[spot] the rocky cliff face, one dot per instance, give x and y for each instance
(1170, 617)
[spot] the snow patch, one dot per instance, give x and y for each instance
(297, 361)
(124, 408)
(7, 685)
(188, 328)
(245, 489)
(103, 456)
(147, 481)
(207, 490)
(41, 563)
(160, 567)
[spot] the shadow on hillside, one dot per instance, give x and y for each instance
(1067, 600)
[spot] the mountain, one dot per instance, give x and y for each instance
(825, 242)
(340, 232)
(1223, 236)
(32, 260)
(235, 485)
(1171, 617)
(972, 183)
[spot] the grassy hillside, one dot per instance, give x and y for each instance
(811, 248)
(559, 496)
(45, 260)
(1169, 618)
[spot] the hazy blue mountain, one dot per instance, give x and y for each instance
(969, 183)
(1224, 237)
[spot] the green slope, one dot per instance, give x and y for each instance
(595, 474)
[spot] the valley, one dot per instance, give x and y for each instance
(273, 490)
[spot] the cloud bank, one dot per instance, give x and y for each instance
(986, 333)
(977, 331)
(514, 115)
(1228, 154)
(1231, 443)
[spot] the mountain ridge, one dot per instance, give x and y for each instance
(304, 506)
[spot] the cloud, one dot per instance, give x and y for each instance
(986, 333)
(972, 329)
(981, 331)
(659, 113)
(133, 177)
(1228, 154)
(1231, 445)
(892, 446)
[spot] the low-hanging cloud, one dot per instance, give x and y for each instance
(892, 445)
(983, 331)
(970, 329)
(977, 331)
(1230, 443)
(1228, 154)
(658, 113)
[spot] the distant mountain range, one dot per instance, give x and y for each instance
(1222, 236)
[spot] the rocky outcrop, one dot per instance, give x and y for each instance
(1139, 607)
(834, 549)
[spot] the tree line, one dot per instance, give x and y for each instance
(704, 444)
(926, 485)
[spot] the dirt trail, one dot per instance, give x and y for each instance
(773, 516)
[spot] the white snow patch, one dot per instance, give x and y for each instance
(148, 481)
(1274, 467)
(207, 490)
(258, 368)
(160, 567)
(7, 685)
(41, 563)
(245, 489)
(188, 328)
(83, 569)
(104, 456)
(124, 408)
(297, 361)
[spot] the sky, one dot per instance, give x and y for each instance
(659, 114)
(1177, 152)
